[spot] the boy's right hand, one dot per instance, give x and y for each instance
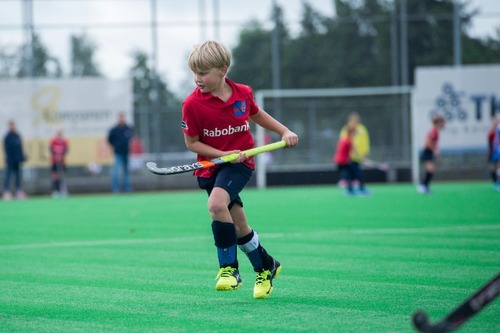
(290, 138)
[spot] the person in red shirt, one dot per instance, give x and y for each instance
(58, 149)
(430, 153)
(136, 153)
(342, 157)
(491, 139)
(216, 121)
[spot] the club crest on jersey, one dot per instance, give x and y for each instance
(239, 108)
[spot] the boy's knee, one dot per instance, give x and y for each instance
(216, 207)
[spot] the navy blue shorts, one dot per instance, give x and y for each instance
(427, 155)
(57, 167)
(231, 177)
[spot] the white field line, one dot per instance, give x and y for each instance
(389, 231)
(105, 242)
(122, 242)
(427, 230)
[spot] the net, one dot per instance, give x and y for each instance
(317, 116)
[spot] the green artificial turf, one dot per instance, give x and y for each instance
(145, 262)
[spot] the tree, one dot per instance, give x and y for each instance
(144, 92)
(36, 61)
(354, 48)
(430, 31)
(252, 56)
(82, 57)
(303, 56)
(481, 51)
(155, 108)
(8, 62)
(334, 52)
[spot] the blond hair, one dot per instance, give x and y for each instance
(438, 119)
(208, 55)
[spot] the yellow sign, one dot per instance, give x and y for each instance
(82, 151)
(84, 109)
(45, 103)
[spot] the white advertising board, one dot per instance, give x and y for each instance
(467, 96)
(83, 108)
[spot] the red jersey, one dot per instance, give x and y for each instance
(491, 138)
(219, 124)
(58, 148)
(136, 146)
(343, 152)
(432, 139)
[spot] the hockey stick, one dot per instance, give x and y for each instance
(376, 165)
(216, 161)
(462, 313)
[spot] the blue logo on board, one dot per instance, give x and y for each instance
(449, 104)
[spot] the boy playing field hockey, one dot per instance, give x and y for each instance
(495, 155)
(58, 147)
(494, 164)
(342, 156)
(430, 153)
(361, 144)
(215, 122)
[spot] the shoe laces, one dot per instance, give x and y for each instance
(262, 277)
(225, 272)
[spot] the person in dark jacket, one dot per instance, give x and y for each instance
(14, 157)
(119, 138)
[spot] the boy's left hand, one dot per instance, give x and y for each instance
(241, 158)
(241, 155)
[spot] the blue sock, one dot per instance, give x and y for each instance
(225, 241)
(427, 178)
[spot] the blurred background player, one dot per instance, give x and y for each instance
(342, 157)
(267, 156)
(361, 142)
(14, 157)
(58, 147)
(495, 155)
(119, 138)
(491, 137)
(136, 153)
(216, 121)
(430, 153)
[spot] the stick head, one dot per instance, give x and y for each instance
(420, 319)
(153, 167)
(421, 322)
